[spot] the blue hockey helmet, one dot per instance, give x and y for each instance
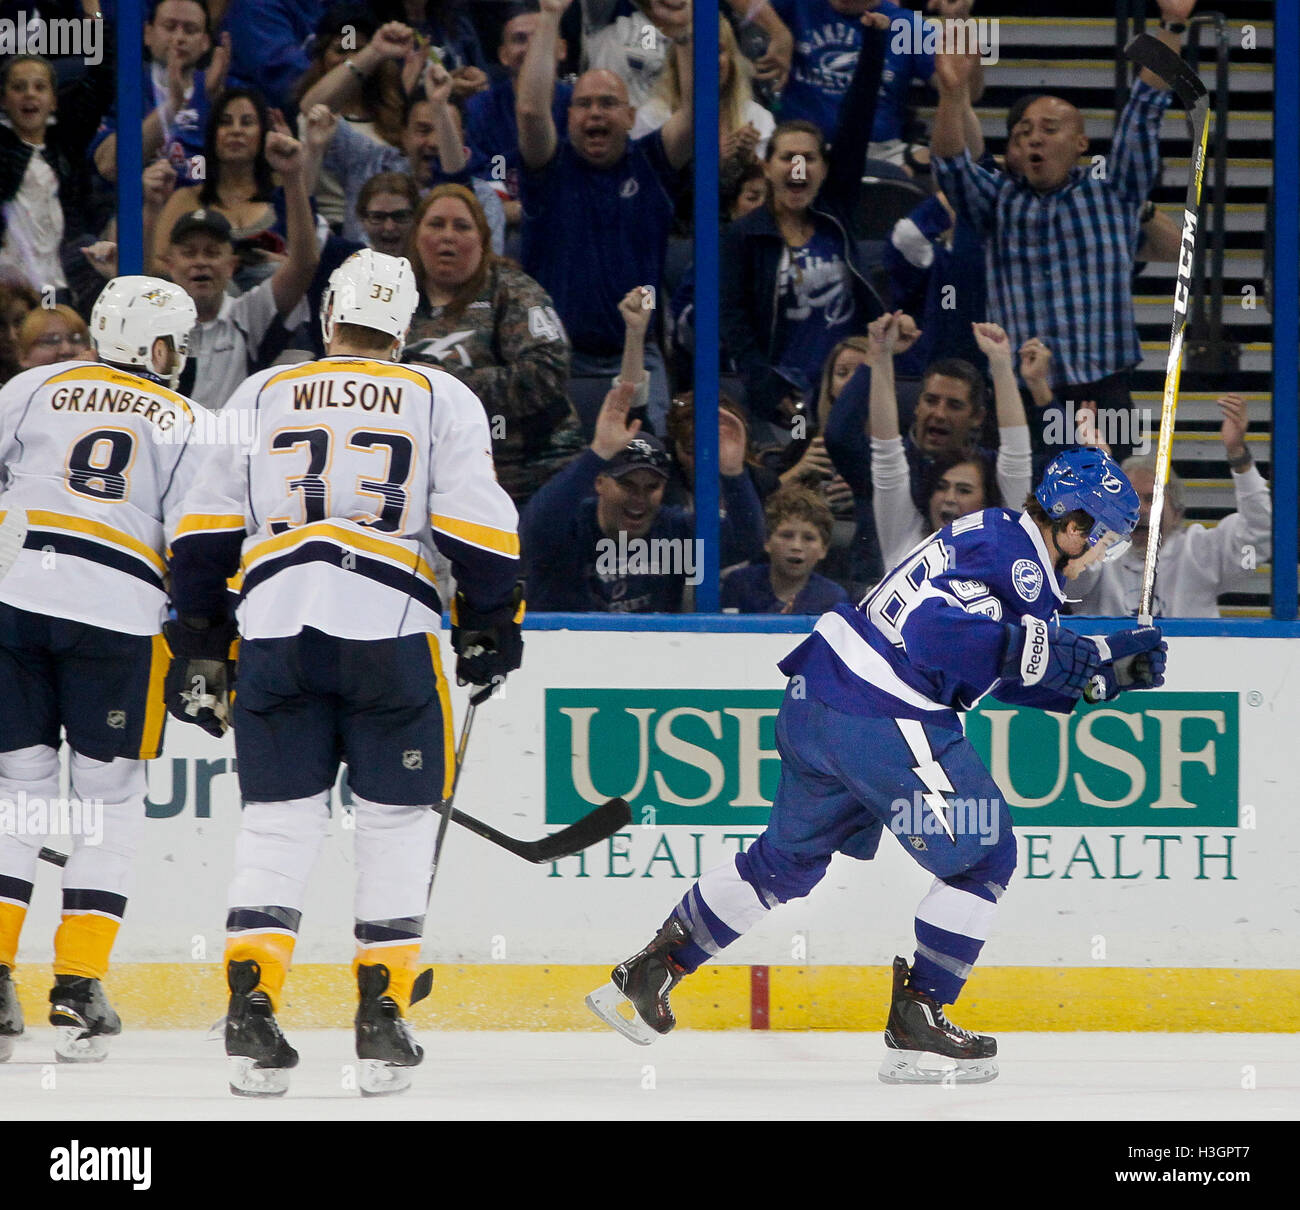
(1090, 480)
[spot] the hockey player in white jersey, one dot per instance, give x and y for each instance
(95, 459)
(870, 737)
(358, 469)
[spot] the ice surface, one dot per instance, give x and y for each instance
(690, 1075)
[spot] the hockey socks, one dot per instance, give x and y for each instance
(266, 936)
(730, 899)
(952, 924)
(15, 895)
(407, 983)
(84, 939)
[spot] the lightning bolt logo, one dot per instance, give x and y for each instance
(935, 780)
(931, 773)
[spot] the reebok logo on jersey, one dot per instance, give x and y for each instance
(1033, 660)
(1027, 576)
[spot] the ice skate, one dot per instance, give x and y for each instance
(924, 1047)
(635, 1000)
(259, 1057)
(386, 1046)
(83, 1019)
(11, 1014)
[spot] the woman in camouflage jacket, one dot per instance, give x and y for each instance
(492, 326)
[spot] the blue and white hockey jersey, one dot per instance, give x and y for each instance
(931, 639)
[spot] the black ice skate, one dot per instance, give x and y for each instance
(259, 1056)
(11, 1015)
(924, 1047)
(83, 1019)
(386, 1046)
(635, 1000)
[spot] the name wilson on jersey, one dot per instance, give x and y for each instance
(352, 393)
(113, 399)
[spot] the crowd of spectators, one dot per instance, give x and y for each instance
(532, 160)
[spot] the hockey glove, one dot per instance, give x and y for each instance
(488, 645)
(1052, 657)
(1135, 659)
(197, 688)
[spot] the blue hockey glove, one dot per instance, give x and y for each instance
(488, 645)
(1135, 659)
(1052, 657)
(197, 685)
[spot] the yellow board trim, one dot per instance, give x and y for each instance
(120, 378)
(335, 533)
(155, 712)
(356, 365)
(448, 724)
(42, 519)
(486, 536)
(188, 995)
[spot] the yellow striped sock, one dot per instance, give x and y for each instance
(83, 943)
(403, 963)
(12, 916)
(273, 952)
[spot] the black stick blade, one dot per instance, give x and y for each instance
(599, 825)
(1159, 59)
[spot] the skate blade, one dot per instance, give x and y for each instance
(379, 1079)
(923, 1067)
(615, 1009)
(249, 1080)
(72, 1044)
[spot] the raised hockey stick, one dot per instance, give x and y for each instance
(1170, 66)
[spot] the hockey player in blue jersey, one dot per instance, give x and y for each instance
(870, 738)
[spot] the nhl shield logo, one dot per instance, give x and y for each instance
(117, 719)
(917, 843)
(413, 758)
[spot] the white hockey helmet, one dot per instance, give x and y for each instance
(132, 312)
(373, 290)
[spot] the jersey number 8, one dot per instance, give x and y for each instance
(98, 464)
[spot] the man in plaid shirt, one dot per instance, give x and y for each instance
(1060, 237)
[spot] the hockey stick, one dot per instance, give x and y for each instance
(462, 747)
(592, 828)
(1170, 66)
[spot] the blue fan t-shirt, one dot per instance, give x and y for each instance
(591, 234)
(826, 48)
(815, 308)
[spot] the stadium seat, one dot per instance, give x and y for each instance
(882, 203)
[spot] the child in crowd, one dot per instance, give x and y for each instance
(798, 537)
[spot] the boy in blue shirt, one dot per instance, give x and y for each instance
(798, 537)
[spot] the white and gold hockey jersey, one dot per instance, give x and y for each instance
(99, 460)
(345, 474)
